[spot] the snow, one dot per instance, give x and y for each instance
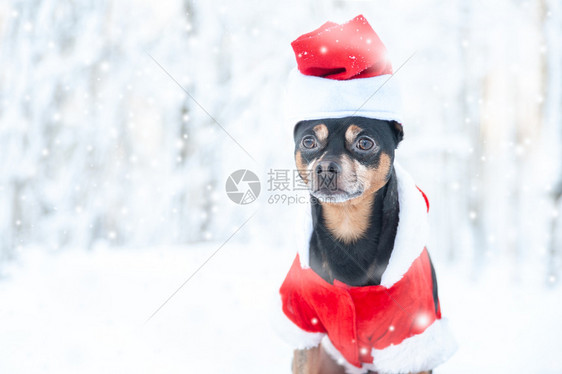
(86, 311)
(504, 325)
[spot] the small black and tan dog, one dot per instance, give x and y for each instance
(348, 163)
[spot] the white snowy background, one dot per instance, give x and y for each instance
(112, 177)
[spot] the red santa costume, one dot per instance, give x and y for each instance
(395, 327)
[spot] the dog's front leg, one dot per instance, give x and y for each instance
(315, 361)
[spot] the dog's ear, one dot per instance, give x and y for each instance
(397, 131)
(295, 129)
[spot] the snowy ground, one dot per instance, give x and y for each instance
(85, 312)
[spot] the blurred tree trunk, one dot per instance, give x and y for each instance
(550, 18)
(471, 87)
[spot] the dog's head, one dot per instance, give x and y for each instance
(345, 158)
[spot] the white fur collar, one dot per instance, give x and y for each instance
(411, 235)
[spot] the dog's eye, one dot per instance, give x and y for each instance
(365, 144)
(309, 142)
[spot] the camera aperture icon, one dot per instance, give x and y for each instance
(243, 187)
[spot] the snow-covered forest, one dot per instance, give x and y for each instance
(120, 122)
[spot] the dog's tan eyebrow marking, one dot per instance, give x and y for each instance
(351, 133)
(321, 132)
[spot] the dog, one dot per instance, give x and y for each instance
(361, 295)
(348, 165)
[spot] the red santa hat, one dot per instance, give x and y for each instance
(343, 70)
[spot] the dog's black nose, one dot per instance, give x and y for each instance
(328, 167)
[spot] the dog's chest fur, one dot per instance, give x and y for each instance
(363, 261)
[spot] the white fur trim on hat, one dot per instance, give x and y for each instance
(310, 97)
